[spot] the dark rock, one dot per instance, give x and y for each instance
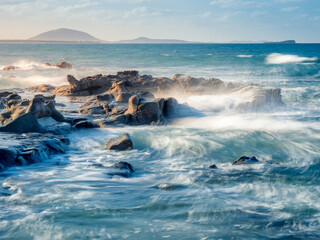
(84, 124)
(63, 65)
(213, 166)
(105, 97)
(124, 169)
(17, 150)
(120, 143)
(246, 160)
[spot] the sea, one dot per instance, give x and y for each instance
(173, 194)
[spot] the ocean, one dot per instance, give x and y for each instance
(173, 193)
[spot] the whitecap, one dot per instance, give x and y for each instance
(278, 58)
(244, 56)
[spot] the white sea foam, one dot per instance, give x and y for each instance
(278, 58)
(244, 56)
(28, 65)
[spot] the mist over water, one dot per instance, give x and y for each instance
(173, 194)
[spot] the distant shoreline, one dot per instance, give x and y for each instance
(128, 43)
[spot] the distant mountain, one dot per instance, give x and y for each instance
(150, 40)
(65, 35)
(282, 42)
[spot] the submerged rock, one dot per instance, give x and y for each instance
(124, 169)
(246, 160)
(122, 143)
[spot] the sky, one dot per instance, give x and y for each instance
(193, 20)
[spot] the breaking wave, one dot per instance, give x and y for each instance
(278, 58)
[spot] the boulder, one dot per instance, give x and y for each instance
(123, 169)
(63, 65)
(246, 160)
(120, 143)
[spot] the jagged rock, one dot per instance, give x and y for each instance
(123, 169)
(120, 143)
(213, 166)
(105, 97)
(4, 94)
(16, 150)
(246, 160)
(37, 117)
(129, 75)
(63, 65)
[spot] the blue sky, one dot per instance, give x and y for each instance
(195, 20)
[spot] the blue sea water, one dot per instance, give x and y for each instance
(173, 194)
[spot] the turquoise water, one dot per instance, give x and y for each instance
(173, 194)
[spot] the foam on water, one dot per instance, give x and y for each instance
(278, 58)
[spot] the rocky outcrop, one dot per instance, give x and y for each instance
(246, 160)
(213, 166)
(25, 149)
(122, 143)
(63, 65)
(39, 116)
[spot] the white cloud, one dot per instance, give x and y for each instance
(289, 9)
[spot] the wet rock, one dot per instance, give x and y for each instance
(8, 68)
(213, 166)
(122, 143)
(105, 97)
(124, 169)
(17, 150)
(63, 65)
(42, 88)
(39, 116)
(84, 124)
(246, 160)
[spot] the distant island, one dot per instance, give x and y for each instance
(65, 34)
(282, 42)
(146, 40)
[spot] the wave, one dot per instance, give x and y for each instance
(29, 65)
(278, 58)
(244, 56)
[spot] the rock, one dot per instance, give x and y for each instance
(133, 104)
(38, 108)
(63, 65)
(8, 68)
(120, 143)
(37, 117)
(4, 94)
(213, 166)
(105, 97)
(42, 88)
(17, 150)
(85, 124)
(129, 75)
(170, 106)
(246, 160)
(124, 169)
